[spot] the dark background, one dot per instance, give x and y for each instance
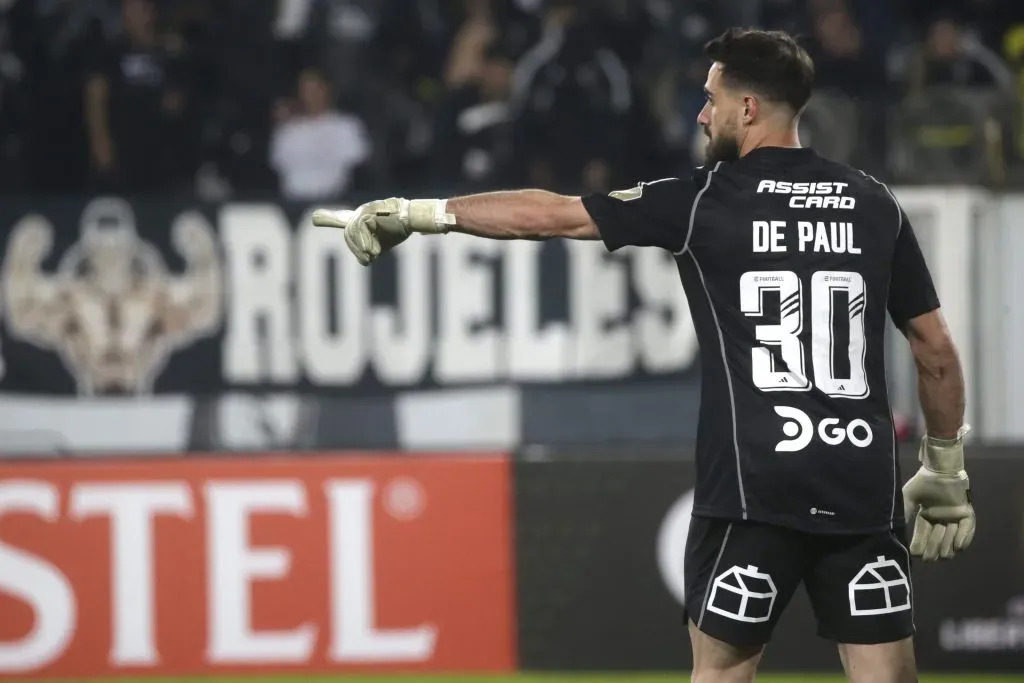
(591, 596)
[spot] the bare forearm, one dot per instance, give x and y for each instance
(940, 387)
(521, 214)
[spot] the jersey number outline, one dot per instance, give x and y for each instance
(784, 336)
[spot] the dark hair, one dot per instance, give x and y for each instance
(768, 62)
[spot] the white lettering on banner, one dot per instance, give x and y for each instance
(401, 336)
(35, 582)
(258, 344)
(235, 564)
(131, 508)
(355, 639)
(468, 343)
(992, 634)
(665, 343)
(289, 318)
(534, 353)
(332, 356)
(597, 305)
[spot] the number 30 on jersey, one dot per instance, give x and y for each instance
(785, 335)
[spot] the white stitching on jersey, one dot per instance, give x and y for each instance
(899, 209)
(721, 339)
(711, 578)
(728, 381)
(892, 419)
(693, 210)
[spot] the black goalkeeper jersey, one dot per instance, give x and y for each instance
(790, 263)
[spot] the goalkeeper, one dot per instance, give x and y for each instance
(790, 263)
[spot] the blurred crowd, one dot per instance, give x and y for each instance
(316, 99)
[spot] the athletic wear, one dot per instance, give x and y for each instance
(790, 263)
(741, 575)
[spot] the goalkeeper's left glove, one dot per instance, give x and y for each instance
(379, 226)
(940, 495)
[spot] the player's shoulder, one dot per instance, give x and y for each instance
(668, 188)
(857, 178)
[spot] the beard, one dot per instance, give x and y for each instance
(725, 147)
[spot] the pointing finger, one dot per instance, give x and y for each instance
(332, 219)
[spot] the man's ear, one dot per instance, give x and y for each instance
(751, 108)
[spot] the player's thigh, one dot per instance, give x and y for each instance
(739, 578)
(860, 588)
(879, 663)
(715, 661)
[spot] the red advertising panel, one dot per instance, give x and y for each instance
(205, 566)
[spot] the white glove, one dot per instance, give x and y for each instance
(381, 225)
(940, 495)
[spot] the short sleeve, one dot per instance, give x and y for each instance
(911, 290)
(652, 214)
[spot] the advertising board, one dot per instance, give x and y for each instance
(206, 566)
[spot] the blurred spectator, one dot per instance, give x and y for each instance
(951, 56)
(473, 142)
(623, 26)
(50, 40)
(603, 91)
(988, 19)
(840, 61)
(261, 45)
(316, 149)
(466, 56)
(134, 108)
(348, 31)
(784, 15)
(11, 107)
(677, 68)
(400, 84)
(572, 96)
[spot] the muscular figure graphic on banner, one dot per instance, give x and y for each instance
(112, 309)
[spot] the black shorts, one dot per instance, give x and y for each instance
(741, 575)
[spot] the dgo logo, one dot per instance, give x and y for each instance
(800, 430)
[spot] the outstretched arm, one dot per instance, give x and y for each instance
(522, 214)
(650, 214)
